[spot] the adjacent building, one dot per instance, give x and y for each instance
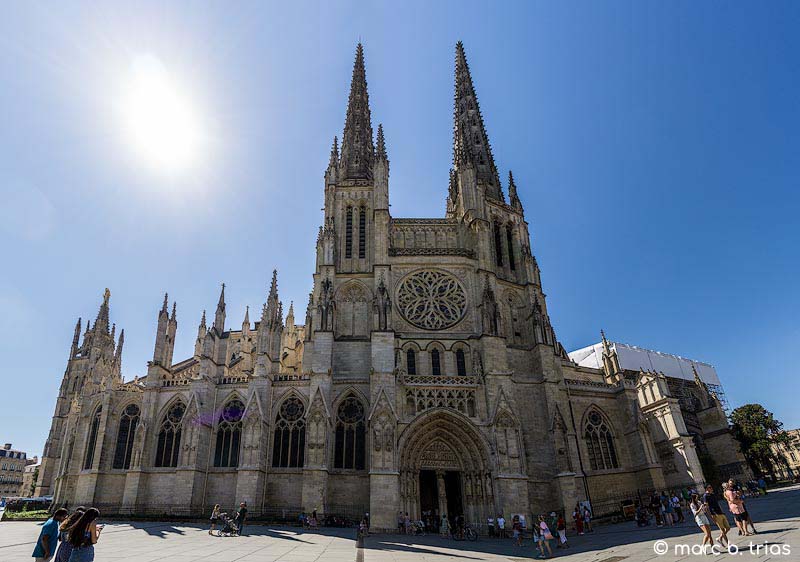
(12, 468)
(788, 468)
(426, 377)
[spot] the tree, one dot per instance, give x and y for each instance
(757, 431)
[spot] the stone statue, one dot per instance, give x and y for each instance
(326, 305)
(382, 305)
(477, 362)
(489, 305)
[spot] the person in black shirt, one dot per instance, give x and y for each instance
(721, 520)
(241, 515)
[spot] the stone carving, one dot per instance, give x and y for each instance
(432, 300)
(489, 311)
(477, 362)
(439, 455)
(382, 422)
(316, 433)
(326, 306)
(382, 305)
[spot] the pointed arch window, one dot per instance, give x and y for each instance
(436, 366)
(349, 451)
(498, 244)
(169, 436)
(289, 443)
(92, 441)
(510, 241)
(348, 233)
(411, 362)
(461, 363)
(229, 435)
(127, 429)
(600, 443)
(362, 233)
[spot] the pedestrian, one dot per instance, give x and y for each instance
(241, 516)
(561, 528)
(65, 548)
(501, 526)
(545, 536)
(48, 536)
(444, 528)
(401, 522)
(762, 484)
(214, 518)
(587, 519)
(676, 507)
(736, 507)
(490, 525)
(669, 510)
(516, 529)
(83, 535)
(700, 511)
(577, 517)
(714, 510)
(407, 523)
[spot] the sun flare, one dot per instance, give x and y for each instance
(160, 120)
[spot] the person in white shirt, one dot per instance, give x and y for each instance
(501, 526)
(490, 524)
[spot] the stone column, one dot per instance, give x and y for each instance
(442, 493)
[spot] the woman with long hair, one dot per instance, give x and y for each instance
(700, 511)
(214, 519)
(83, 536)
(65, 549)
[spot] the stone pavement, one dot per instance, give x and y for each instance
(777, 518)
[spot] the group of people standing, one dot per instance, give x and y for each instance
(69, 537)
(707, 509)
(217, 515)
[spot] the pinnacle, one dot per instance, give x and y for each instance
(174, 310)
(357, 147)
(334, 161)
(380, 150)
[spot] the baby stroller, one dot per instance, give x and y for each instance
(418, 528)
(229, 527)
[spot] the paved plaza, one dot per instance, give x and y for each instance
(777, 518)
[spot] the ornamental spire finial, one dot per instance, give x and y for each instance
(355, 161)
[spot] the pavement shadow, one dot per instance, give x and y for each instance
(160, 530)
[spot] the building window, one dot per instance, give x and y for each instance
(498, 245)
(92, 441)
(350, 435)
(461, 363)
(169, 436)
(348, 233)
(127, 429)
(411, 362)
(288, 448)
(436, 367)
(510, 240)
(362, 233)
(229, 434)
(600, 443)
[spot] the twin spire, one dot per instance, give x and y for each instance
(471, 146)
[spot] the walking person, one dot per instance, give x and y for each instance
(700, 511)
(668, 509)
(83, 535)
(720, 519)
(214, 519)
(561, 528)
(444, 528)
(501, 526)
(736, 506)
(65, 547)
(577, 517)
(48, 536)
(676, 506)
(401, 522)
(587, 519)
(407, 523)
(241, 516)
(545, 536)
(516, 529)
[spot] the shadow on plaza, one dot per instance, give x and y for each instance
(778, 505)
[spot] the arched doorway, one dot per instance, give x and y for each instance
(445, 468)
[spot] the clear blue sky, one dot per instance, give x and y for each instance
(655, 146)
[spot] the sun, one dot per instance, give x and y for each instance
(159, 119)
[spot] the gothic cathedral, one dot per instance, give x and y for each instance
(426, 377)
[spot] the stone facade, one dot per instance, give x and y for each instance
(426, 376)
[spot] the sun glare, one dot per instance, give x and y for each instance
(160, 120)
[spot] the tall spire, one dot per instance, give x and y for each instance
(219, 317)
(76, 337)
(470, 142)
(357, 147)
(512, 192)
(118, 353)
(334, 161)
(102, 314)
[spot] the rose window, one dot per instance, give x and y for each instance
(432, 300)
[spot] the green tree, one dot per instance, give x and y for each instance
(757, 431)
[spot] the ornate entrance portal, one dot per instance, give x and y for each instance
(444, 469)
